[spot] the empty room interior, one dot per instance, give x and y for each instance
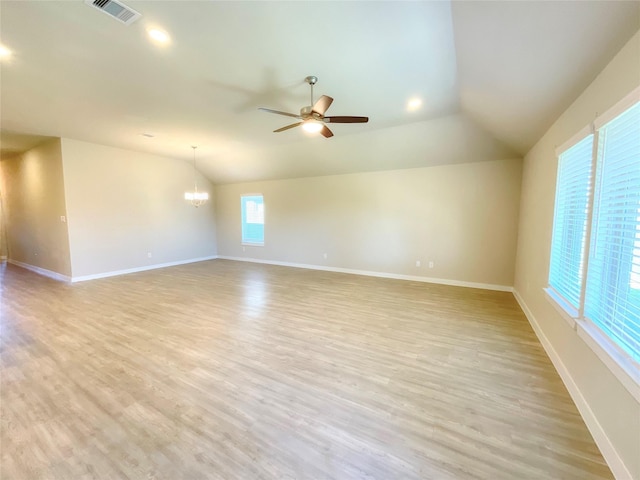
(319, 240)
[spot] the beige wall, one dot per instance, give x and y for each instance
(3, 229)
(122, 205)
(33, 201)
(606, 405)
(3, 236)
(461, 217)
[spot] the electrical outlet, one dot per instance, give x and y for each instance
(63, 219)
(418, 263)
(149, 255)
(325, 256)
(431, 264)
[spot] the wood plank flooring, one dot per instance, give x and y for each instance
(228, 370)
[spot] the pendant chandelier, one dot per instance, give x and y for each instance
(196, 198)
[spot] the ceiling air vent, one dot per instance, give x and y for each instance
(116, 10)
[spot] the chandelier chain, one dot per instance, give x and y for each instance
(196, 198)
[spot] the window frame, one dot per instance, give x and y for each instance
(243, 241)
(619, 362)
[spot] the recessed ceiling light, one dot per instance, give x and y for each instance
(4, 52)
(414, 104)
(158, 36)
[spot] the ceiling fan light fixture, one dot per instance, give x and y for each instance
(312, 126)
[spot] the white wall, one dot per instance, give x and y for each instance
(122, 205)
(461, 217)
(609, 409)
(33, 202)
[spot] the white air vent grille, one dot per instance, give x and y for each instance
(116, 10)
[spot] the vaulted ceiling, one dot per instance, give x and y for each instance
(492, 77)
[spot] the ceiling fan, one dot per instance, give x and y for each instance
(312, 117)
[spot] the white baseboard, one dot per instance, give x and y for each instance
(42, 271)
(83, 278)
(617, 466)
(396, 276)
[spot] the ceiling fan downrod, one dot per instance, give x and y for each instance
(311, 80)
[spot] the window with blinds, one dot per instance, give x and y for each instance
(612, 299)
(252, 207)
(570, 222)
(595, 250)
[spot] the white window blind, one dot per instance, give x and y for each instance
(612, 299)
(570, 221)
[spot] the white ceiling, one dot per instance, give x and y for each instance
(492, 75)
(521, 64)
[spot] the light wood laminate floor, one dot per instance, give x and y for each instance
(228, 370)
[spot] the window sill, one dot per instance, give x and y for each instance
(566, 311)
(623, 367)
(618, 362)
(247, 244)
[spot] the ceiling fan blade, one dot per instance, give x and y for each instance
(287, 127)
(279, 112)
(322, 105)
(344, 119)
(325, 132)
